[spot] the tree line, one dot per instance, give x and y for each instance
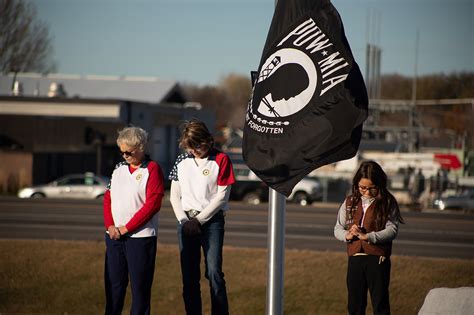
(429, 87)
(25, 46)
(228, 99)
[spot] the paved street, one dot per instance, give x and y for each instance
(449, 235)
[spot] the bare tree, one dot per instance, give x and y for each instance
(24, 41)
(238, 89)
(213, 99)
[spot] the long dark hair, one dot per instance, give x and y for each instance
(385, 202)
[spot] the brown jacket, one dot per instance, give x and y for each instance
(359, 246)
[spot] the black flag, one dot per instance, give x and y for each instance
(309, 99)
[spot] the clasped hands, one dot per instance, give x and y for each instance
(116, 232)
(192, 227)
(356, 232)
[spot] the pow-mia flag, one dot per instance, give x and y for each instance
(309, 99)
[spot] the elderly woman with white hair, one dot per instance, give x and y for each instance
(131, 205)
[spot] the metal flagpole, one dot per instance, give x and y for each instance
(276, 252)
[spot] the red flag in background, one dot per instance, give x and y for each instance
(309, 99)
(448, 161)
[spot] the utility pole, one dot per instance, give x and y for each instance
(413, 138)
(373, 55)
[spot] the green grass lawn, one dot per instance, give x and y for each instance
(67, 277)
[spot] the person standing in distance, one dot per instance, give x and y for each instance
(368, 222)
(131, 205)
(201, 180)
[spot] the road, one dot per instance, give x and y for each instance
(448, 235)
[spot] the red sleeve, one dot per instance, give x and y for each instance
(226, 171)
(154, 194)
(108, 219)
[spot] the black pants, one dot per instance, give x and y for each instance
(124, 258)
(368, 273)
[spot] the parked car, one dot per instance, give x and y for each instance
(250, 189)
(461, 201)
(82, 186)
(306, 191)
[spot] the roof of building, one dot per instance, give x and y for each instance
(141, 89)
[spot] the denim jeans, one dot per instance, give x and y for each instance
(211, 240)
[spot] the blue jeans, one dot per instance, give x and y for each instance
(211, 240)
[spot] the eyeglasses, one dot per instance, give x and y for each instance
(127, 153)
(372, 190)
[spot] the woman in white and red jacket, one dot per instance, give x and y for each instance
(131, 206)
(368, 222)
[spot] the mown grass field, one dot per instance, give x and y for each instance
(67, 277)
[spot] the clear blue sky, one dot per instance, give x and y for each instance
(201, 41)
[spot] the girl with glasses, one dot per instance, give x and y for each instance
(368, 222)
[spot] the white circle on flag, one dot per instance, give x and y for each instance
(286, 107)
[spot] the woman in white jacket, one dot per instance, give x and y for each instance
(201, 181)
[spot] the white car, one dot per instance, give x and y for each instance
(307, 190)
(81, 186)
(462, 201)
(248, 187)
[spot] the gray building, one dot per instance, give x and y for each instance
(63, 124)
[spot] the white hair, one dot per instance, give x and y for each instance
(134, 137)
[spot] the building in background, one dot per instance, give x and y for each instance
(60, 124)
